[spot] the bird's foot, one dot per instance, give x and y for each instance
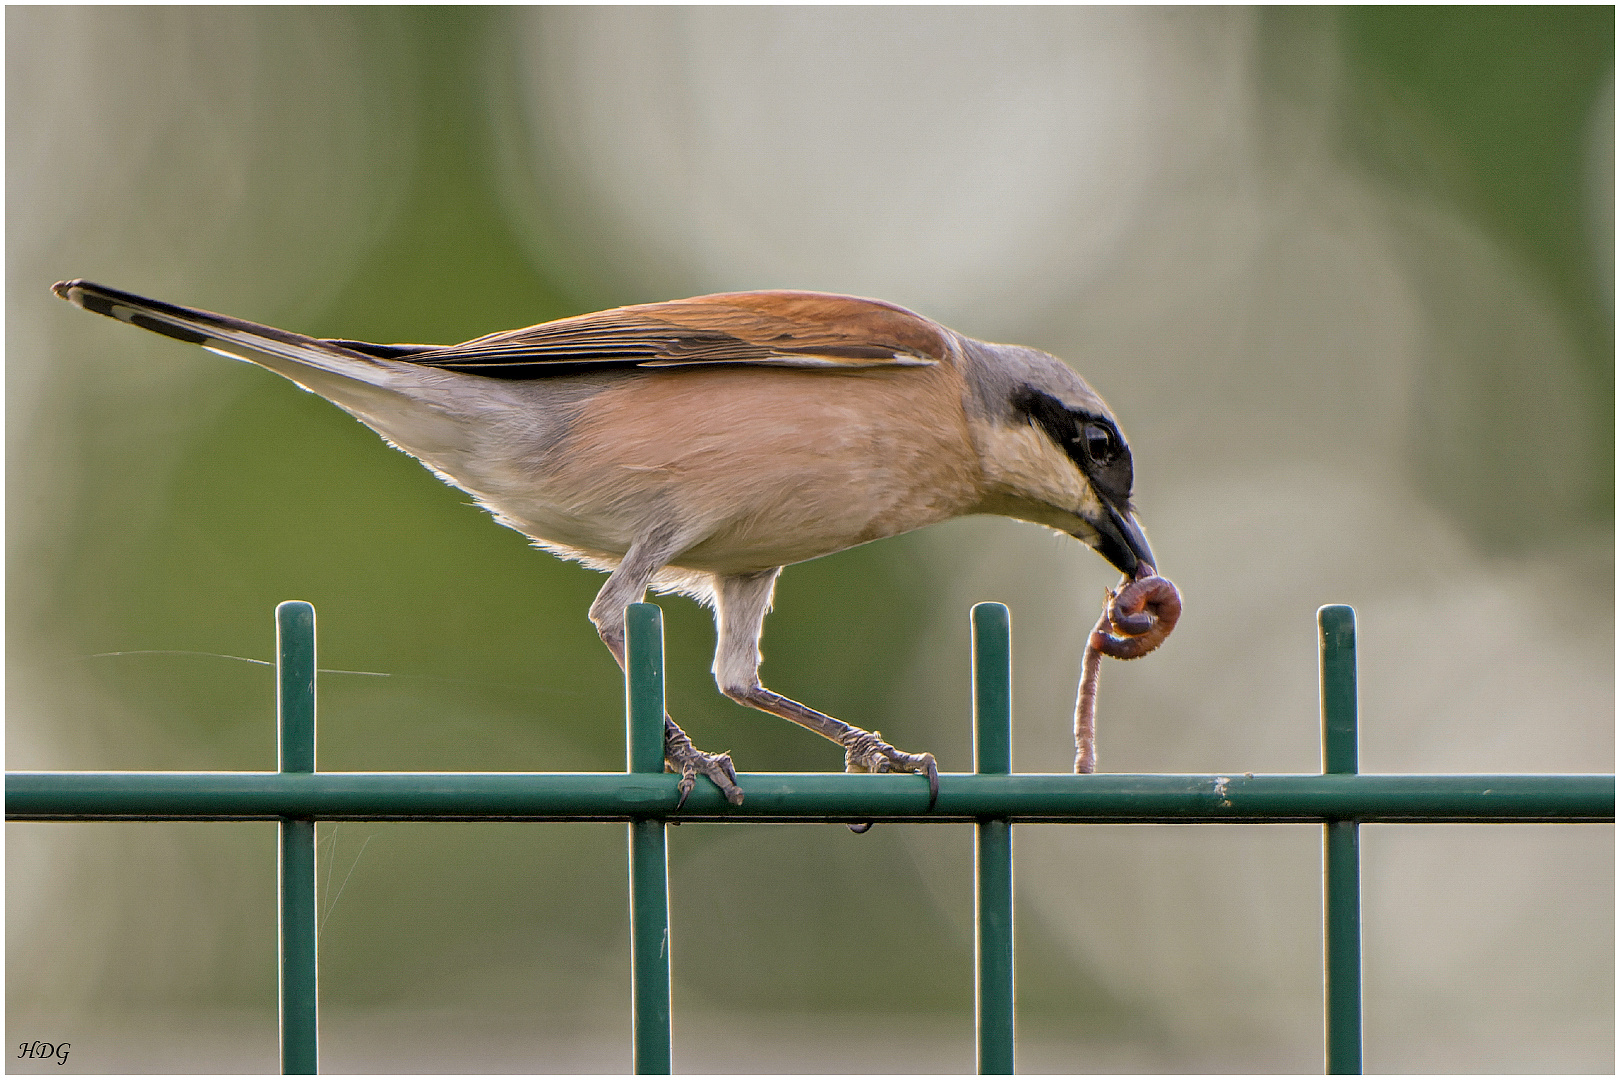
(865, 751)
(682, 757)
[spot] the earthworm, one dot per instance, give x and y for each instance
(1138, 617)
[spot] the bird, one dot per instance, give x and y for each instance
(699, 446)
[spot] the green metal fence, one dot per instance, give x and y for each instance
(645, 795)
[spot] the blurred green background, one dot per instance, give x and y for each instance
(1345, 275)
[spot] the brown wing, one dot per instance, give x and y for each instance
(795, 329)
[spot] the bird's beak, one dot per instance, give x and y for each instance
(1121, 541)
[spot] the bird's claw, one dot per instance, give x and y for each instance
(682, 757)
(865, 751)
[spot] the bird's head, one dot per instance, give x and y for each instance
(1052, 451)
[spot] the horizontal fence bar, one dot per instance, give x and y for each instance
(1022, 797)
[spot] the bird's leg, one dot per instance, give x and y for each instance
(741, 603)
(682, 757)
(679, 753)
(864, 751)
(625, 586)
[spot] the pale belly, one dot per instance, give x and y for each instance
(747, 468)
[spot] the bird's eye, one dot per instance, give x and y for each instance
(1100, 443)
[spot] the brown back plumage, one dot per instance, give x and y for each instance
(777, 328)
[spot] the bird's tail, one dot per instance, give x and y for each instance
(405, 403)
(281, 351)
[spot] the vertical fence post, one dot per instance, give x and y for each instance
(992, 739)
(1341, 864)
(649, 855)
(295, 742)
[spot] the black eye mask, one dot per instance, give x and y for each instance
(1091, 440)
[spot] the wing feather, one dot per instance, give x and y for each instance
(821, 331)
(778, 329)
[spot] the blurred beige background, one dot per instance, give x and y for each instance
(1345, 276)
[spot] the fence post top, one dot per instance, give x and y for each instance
(1335, 615)
(292, 609)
